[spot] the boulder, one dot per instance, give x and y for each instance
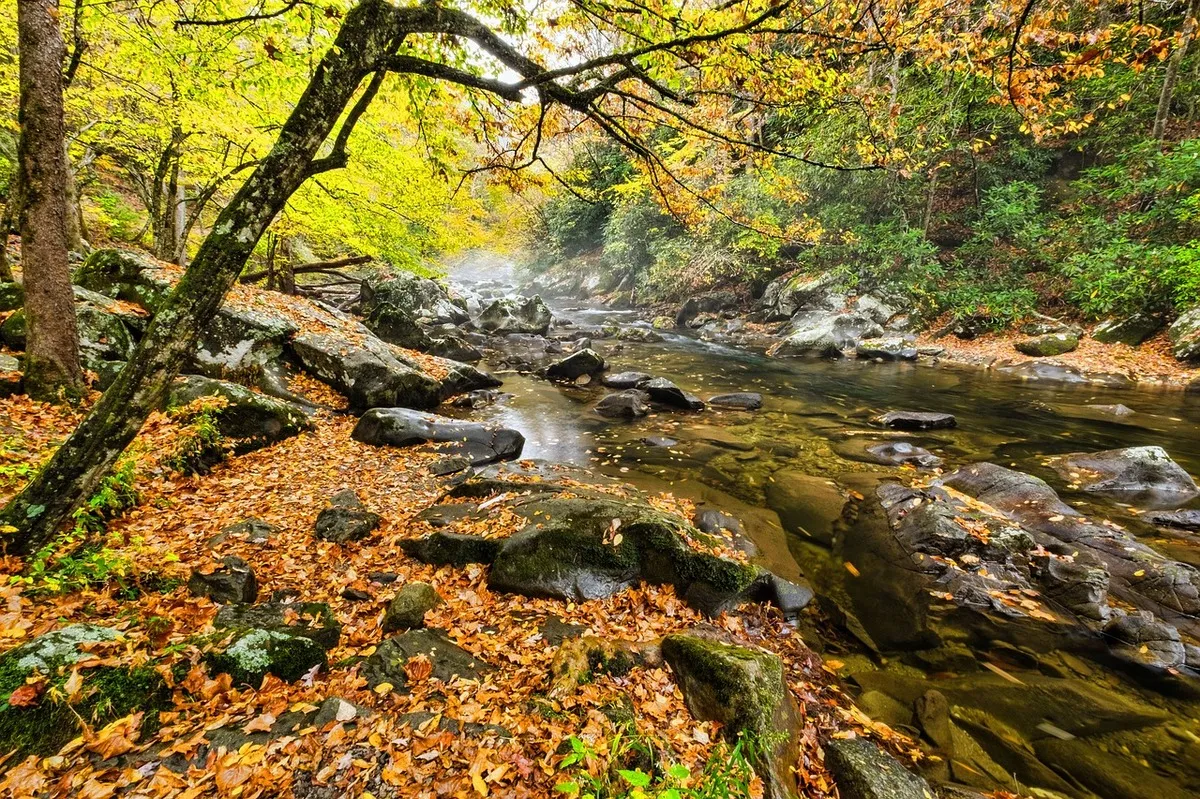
(744, 689)
(125, 275)
(1177, 519)
(401, 427)
(252, 654)
(12, 296)
(824, 334)
(233, 581)
(875, 308)
(512, 315)
(742, 400)
(58, 714)
(456, 348)
(576, 365)
(643, 335)
(629, 404)
(916, 420)
(665, 392)
(1142, 475)
(366, 370)
(1131, 330)
(346, 519)
(624, 380)
(900, 453)
(248, 420)
(309, 620)
(407, 609)
(422, 298)
(242, 341)
(890, 348)
(448, 661)
(1047, 344)
(103, 335)
(786, 295)
(864, 771)
(1185, 336)
(397, 326)
(451, 549)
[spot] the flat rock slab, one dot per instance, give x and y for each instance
(916, 420)
(623, 380)
(741, 400)
(448, 660)
(401, 427)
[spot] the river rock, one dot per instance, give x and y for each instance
(387, 294)
(1178, 519)
(630, 404)
(248, 420)
(624, 380)
(916, 420)
(232, 581)
(644, 335)
(407, 609)
(890, 348)
(1131, 330)
(366, 370)
(864, 771)
(744, 689)
(824, 334)
(900, 453)
(808, 506)
(665, 392)
(1144, 475)
(1185, 336)
(107, 693)
(346, 519)
(576, 365)
(662, 323)
(1048, 344)
(512, 315)
(386, 664)
(397, 326)
(1106, 775)
(789, 294)
(742, 401)
(876, 308)
(454, 347)
(401, 427)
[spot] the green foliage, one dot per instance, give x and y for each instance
(115, 217)
(627, 768)
(200, 444)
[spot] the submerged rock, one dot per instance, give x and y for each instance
(916, 420)
(1144, 475)
(899, 453)
(742, 400)
(346, 519)
(401, 427)
(808, 506)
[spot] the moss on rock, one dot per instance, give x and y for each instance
(253, 654)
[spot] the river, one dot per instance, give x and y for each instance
(1019, 716)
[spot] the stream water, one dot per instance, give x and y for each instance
(1019, 716)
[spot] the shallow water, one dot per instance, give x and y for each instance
(1025, 718)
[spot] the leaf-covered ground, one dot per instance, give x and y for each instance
(167, 535)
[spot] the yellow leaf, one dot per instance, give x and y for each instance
(383, 688)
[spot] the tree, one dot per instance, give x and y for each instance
(1186, 33)
(52, 351)
(375, 39)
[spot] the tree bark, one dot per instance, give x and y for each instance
(52, 351)
(46, 504)
(1163, 114)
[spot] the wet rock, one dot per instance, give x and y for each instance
(107, 692)
(407, 609)
(463, 378)
(890, 348)
(790, 597)
(451, 464)
(480, 398)
(864, 771)
(512, 315)
(786, 295)
(663, 323)
(456, 348)
(625, 380)
(664, 391)
(12, 296)
(715, 522)
(252, 654)
(916, 420)
(451, 549)
(808, 506)
(1131, 330)
(644, 335)
(1179, 519)
(233, 581)
(824, 334)
(743, 401)
(1144, 475)
(899, 453)
(313, 620)
(659, 441)
(1053, 372)
(630, 404)
(448, 660)
(1143, 640)
(366, 370)
(401, 427)
(1185, 336)
(523, 352)
(248, 420)
(576, 365)
(744, 689)
(1048, 344)
(346, 519)
(1108, 776)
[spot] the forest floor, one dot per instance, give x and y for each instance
(167, 536)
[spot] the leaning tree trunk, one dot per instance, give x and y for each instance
(1165, 96)
(52, 349)
(46, 504)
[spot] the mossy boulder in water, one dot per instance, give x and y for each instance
(254, 653)
(512, 315)
(744, 689)
(51, 719)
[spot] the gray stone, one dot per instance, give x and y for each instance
(1185, 335)
(451, 549)
(890, 348)
(824, 334)
(898, 453)
(576, 365)
(249, 420)
(252, 654)
(422, 298)
(253, 529)
(232, 581)
(397, 326)
(125, 275)
(742, 400)
(386, 664)
(401, 427)
(346, 519)
(1143, 475)
(366, 370)
(916, 420)
(630, 404)
(456, 348)
(407, 609)
(665, 392)
(864, 771)
(312, 620)
(512, 315)
(1048, 344)
(625, 380)
(786, 295)
(1131, 330)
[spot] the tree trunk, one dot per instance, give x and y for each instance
(1163, 114)
(46, 504)
(74, 217)
(52, 351)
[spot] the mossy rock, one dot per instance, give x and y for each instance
(386, 664)
(253, 654)
(1048, 344)
(12, 296)
(108, 693)
(250, 420)
(451, 549)
(313, 620)
(124, 275)
(407, 609)
(864, 771)
(744, 689)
